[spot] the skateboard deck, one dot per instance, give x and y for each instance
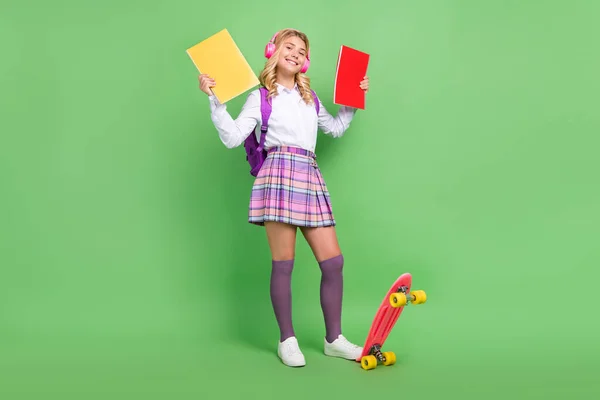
(390, 309)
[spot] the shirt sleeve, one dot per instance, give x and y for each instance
(233, 132)
(335, 126)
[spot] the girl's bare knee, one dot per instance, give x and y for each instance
(282, 240)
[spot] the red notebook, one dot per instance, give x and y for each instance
(351, 70)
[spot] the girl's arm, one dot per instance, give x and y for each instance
(335, 126)
(233, 132)
(338, 125)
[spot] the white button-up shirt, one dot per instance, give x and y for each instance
(292, 121)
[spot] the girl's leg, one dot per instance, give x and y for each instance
(324, 244)
(282, 242)
(325, 247)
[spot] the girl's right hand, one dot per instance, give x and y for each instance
(206, 82)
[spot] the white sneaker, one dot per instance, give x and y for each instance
(290, 353)
(342, 348)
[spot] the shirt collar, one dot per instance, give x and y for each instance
(281, 88)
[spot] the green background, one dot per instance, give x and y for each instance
(128, 268)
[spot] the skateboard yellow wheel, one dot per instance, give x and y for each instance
(397, 300)
(419, 297)
(368, 362)
(390, 358)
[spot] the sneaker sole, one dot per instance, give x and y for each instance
(339, 355)
(294, 365)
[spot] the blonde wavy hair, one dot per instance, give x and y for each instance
(269, 72)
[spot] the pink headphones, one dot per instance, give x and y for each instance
(270, 50)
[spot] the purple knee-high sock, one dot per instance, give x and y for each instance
(331, 295)
(281, 296)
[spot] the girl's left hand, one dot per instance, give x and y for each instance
(364, 84)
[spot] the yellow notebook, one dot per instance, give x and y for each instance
(219, 57)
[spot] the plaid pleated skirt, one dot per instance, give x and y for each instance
(289, 188)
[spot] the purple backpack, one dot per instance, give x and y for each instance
(255, 152)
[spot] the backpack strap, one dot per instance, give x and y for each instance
(317, 105)
(265, 110)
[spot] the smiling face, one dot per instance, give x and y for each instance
(292, 55)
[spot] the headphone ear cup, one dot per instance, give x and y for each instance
(305, 65)
(269, 50)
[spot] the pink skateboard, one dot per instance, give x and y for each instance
(388, 313)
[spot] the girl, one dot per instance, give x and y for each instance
(289, 191)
